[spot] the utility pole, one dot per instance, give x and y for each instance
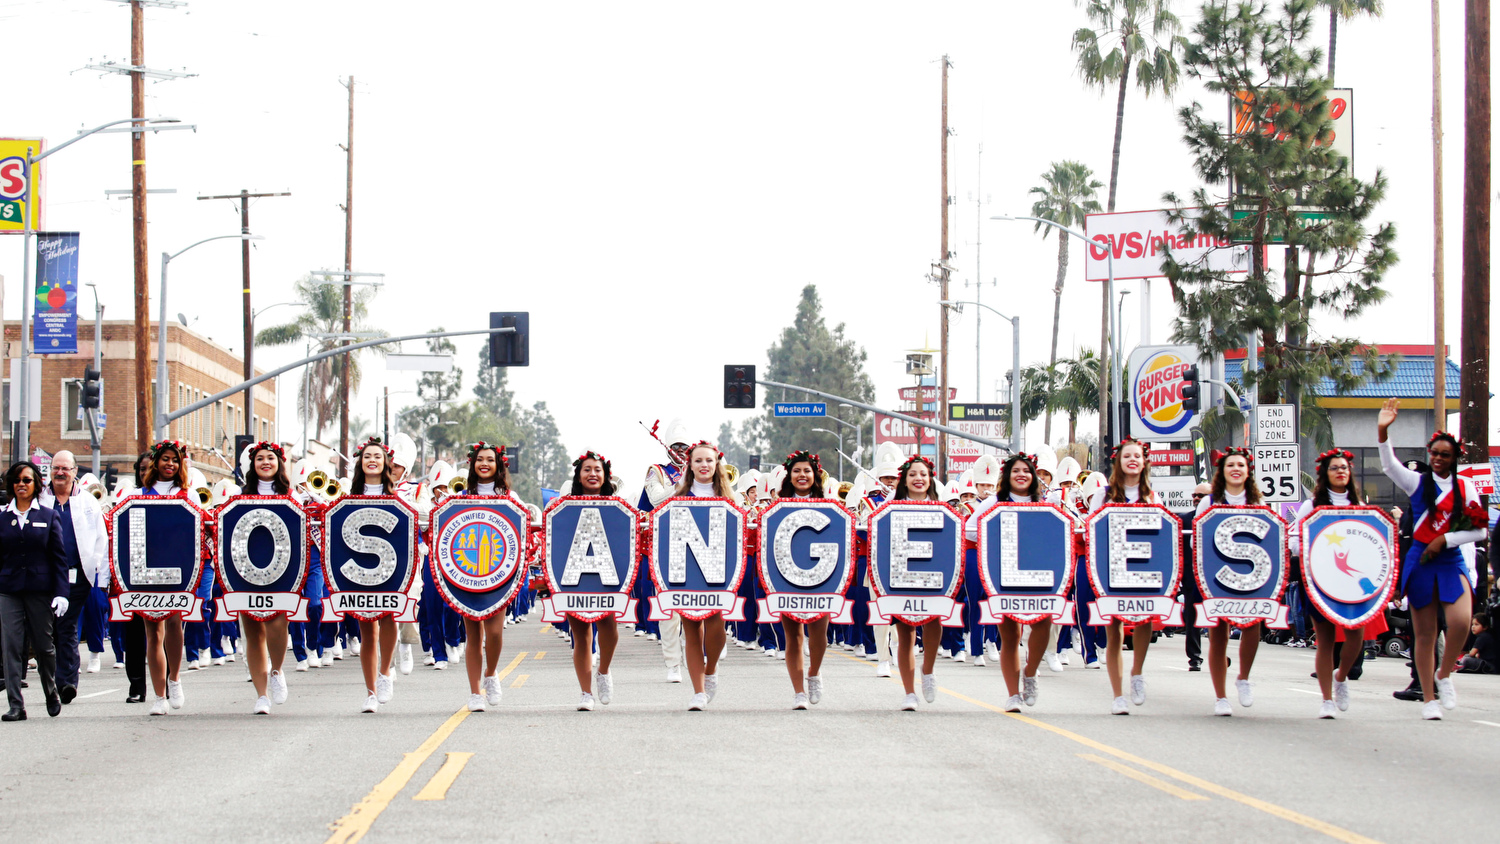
(1439, 327)
(1474, 396)
(942, 439)
(244, 197)
(348, 268)
(144, 418)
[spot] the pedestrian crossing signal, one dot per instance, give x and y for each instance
(1191, 389)
(739, 387)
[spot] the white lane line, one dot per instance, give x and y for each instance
(1177, 668)
(1304, 691)
(1486, 723)
(96, 694)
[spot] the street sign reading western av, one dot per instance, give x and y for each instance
(800, 408)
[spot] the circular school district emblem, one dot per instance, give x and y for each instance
(1350, 561)
(478, 550)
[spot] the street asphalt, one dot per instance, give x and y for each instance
(853, 768)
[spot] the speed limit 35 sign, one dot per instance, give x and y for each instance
(1278, 471)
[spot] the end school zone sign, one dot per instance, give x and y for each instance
(1139, 241)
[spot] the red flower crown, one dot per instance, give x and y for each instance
(475, 448)
(801, 455)
(1145, 448)
(1218, 456)
(1444, 435)
(593, 455)
(704, 444)
(1331, 453)
(389, 452)
(156, 449)
(913, 459)
(274, 448)
(1021, 455)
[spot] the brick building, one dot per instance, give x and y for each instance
(196, 367)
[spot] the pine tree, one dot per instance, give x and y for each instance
(808, 354)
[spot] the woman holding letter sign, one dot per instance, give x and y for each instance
(591, 476)
(703, 640)
(803, 476)
(266, 639)
(488, 475)
(1129, 483)
(373, 476)
(1234, 485)
(1446, 514)
(169, 464)
(915, 482)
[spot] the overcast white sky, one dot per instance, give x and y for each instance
(654, 182)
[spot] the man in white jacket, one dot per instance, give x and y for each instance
(86, 546)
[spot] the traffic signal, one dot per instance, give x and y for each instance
(93, 388)
(1191, 389)
(111, 478)
(514, 348)
(755, 462)
(739, 386)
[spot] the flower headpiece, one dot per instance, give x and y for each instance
(1444, 435)
(913, 459)
(1021, 455)
(703, 444)
(801, 456)
(274, 448)
(176, 445)
(593, 455)
(1145, 447)
(475, 448)
(389, 452)
(1219, 457)
(1325, 457)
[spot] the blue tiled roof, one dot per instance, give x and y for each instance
(1411, 380)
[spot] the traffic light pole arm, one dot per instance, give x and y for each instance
(163, 419)
(1228, 389)
(954, 432)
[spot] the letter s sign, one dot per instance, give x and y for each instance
(13, 178)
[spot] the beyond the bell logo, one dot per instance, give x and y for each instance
(1157, 393)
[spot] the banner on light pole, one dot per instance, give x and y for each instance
(55, 329)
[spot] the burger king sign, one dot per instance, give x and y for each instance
(1155, 392)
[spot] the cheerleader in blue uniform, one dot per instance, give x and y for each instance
(377, 638)
(915, 482)
(266, 639)
(1446, 515)
(169, 464)
(703, 641)
(591, 476)
(1234, 484)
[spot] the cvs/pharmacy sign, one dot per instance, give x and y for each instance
(1139, 241)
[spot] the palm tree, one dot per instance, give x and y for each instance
(1347, 10)
(323, 314)
(1076, 388)
(1036, 386)
(1069, 195)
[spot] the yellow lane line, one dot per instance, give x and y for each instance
(520, 681)
(540, 654)
(1140, 777)
(353, 826)
(437, 787)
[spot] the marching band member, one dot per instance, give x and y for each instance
(888, 460)
(591, 476)
(1335, 487)
(374, 475)
(1446, 515)
(982, 475)
(915, 482)
(169, 462)
(772, 637)
(801, 481)
(704, 640)
(1046, 471)
(1129, 483)
(1090, 638)
(488, 475)
(1234, 484)
(661, 480)
(403, 456)
(748, 487)
(33, 587)
(266, 641)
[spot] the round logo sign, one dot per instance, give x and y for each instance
(1350, 561)
(478, 550)
(1156, 392)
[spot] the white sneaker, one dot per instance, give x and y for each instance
(119, 665)
(1028, 690)
(872, 656)
(640, 633)
(1222, 707)
(338, 650)
(1432, 710)
(476, 703)
(711, 686)
(1121, 706)
(605, 686)
(781, 655)
(992, 652)
(278, 690)
(1247, 698)
(175, 695)
(799, 700)
(93, 664)
(372, 704)
(586, 703)
(1341, 695)
(1063, 658)
(1329, 710)
(455, 653)
(883, 669)
(192, 665)
(302, 665)
(909, 704)
(354, 647)
(1054, 662)
(1095, 664)
(1137, 690)
(929, 687)
(218, 660)
(406, 660)
(960, 657)
(698, 703)
(328, 659)
(674, 675)
(262, 705)
(159, 706)
(1446, 693)
(651, 637)
(1013, 703)
(859, 652)
(814, 690)
(979, 661)
(384, 688)
(492, 692)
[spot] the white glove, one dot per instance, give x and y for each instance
(59, 607)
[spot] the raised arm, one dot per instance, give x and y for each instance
(1402, 477)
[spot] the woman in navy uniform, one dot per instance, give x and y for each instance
(170, 463)
(266, 639)
(483, 640)
(33, 586)
(591, 476)
(1234, 485)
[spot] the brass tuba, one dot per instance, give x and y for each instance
(332, 489)
(317, 480)
(732, 472)
(205, 495)
(458, 484)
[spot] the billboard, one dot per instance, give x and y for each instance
(1139, 241)
(13, 179)
(1154, 390)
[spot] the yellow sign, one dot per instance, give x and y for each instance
(13, 179)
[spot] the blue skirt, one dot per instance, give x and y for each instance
(1444, 577)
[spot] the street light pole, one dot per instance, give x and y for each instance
(840, 434)
(1015, 369)
(859, 434)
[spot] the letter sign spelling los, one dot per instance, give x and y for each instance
(155, 550)
(370, 556)
(478, 550)
(1239, 558)
(1026, 563)
(1135, 563)
(916, 562)
(262, 553)
(592, 558)
(806, 559)
(697, 558)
